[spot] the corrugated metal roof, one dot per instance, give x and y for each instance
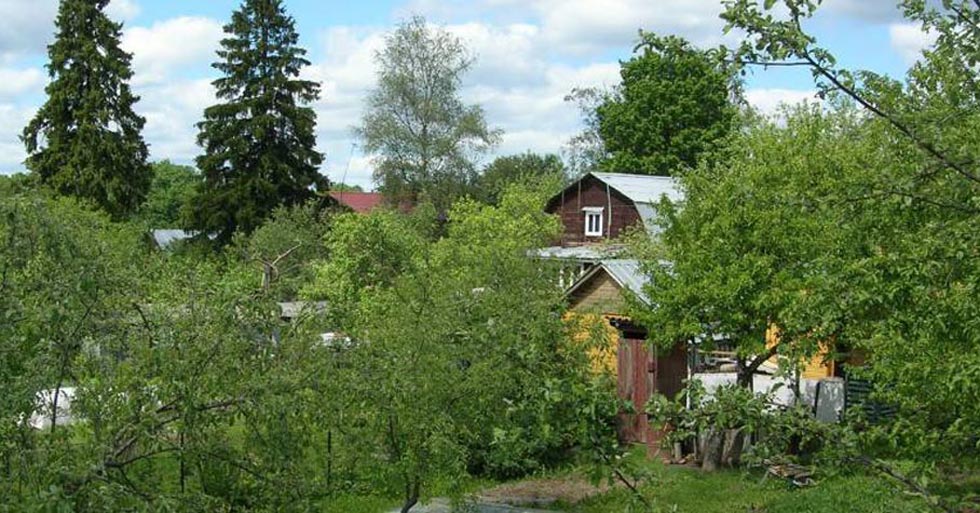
(643, 188)
(628, 274)
(648, 215)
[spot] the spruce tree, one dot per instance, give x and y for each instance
(85, 140)
(259, 143)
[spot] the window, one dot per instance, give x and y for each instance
(593, 221)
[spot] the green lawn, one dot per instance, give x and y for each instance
(690, 490)
(683, 490)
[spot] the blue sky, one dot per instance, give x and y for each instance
(530, 54)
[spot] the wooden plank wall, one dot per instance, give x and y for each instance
(592, 193)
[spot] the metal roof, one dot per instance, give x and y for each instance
(643, 188)
(628, 274)
(577, 253)
(164, 238)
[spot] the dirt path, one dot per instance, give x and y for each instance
(445, 506)
(528, 496)
(543, 492)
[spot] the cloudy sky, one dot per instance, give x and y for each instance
(530, 54)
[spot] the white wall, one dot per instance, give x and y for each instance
(831, 400)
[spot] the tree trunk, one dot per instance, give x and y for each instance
(734, 443)
(744, 378)
(411, 496)
(711, 448)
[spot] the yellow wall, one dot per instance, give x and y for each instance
(598, 337)
(813, 368)
(601, 294)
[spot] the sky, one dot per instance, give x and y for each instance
(529, 55)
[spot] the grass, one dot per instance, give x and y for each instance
(358, 504)
(690, 490)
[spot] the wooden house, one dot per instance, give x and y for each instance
(595, 211)
(600, 207)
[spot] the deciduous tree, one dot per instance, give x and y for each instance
(675, 104)
(171, 192)
(424, 138)
(525, 168)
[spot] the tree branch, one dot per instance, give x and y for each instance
(898, 125)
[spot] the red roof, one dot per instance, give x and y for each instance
(360, 202)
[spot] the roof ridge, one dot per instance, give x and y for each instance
(638, 175)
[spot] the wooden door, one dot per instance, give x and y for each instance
(636, 371)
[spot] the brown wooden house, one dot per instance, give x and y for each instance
(600, 206)
(594, 211)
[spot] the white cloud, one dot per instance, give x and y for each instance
(14, 82)
(122, 10)
(13, 118)
(172, 110)
(592, 27)
(589, 26)
(769, 101)
(346, 73)
(521, 90)
(26, 26)
(161, 50)
(909, 40)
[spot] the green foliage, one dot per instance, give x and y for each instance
(424, 138)
(458, 360)
(526, 169)
(85, 140)
(65, 275)
(171, 192)
(259, 144)
(748, 250)
(850, 227)
(17, 183)
(675, 104)
(283, 248)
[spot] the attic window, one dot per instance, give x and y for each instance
(593, 221)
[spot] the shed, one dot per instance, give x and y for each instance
(640, 370)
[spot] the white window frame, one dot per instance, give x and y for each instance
(591, 213)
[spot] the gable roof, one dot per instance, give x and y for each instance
(644, 191)
(625, 272)
(360, 202)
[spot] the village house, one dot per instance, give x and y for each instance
(360, 202)
(595, 211)
(599, 208)
(601, 295)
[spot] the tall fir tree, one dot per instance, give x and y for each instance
(259, 144)
(85, 140)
